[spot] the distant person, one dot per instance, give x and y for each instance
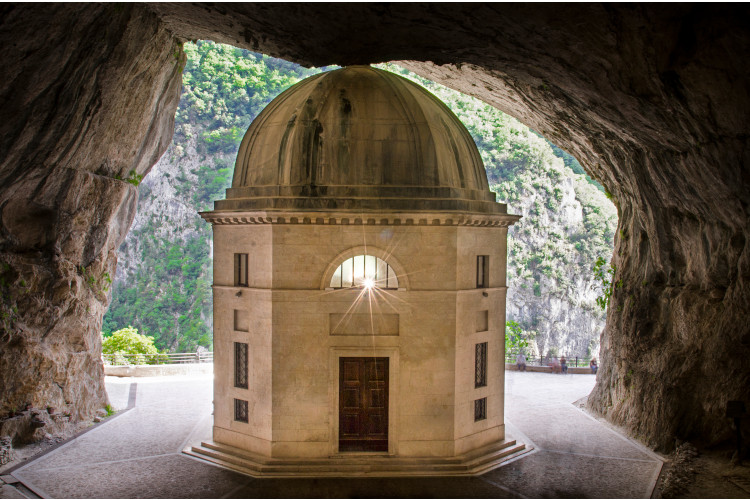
(521, 362)
(593, 366)
(555, 364)
(564, 364)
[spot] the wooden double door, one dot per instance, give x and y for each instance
(363, 404)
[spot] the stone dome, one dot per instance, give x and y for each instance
(363, 139)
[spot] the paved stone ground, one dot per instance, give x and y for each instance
(136, 454)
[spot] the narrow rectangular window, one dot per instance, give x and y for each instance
(240, 269)
(240, 365)
(240, 410)
(480, 365)
(480, 409)
(483, 271)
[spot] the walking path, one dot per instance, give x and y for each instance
(137, 454)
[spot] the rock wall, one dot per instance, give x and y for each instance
(652, 99)
(678, 326)
(88, 97)
(159, 200)
(661, 133)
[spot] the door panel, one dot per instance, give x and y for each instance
(377, 398)
(363, 404)
(350, 399)
(351, 370)
(349, 426)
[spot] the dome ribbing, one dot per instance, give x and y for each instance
(358, 138)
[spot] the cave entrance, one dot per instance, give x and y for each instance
(625, 86)
(568, 221)
(169, 292)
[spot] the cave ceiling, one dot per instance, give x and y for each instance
(599, 80)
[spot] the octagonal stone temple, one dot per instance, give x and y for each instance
(359, 288)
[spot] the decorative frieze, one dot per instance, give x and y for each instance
(477, 220)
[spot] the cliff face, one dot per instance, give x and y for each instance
(83, 105)
(164, 211)
(653, 99)
(551, 287)
(163, 281)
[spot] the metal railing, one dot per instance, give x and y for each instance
(510, 357)
(119, 359)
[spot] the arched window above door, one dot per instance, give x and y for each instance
(365, 271)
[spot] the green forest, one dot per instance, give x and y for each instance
(166, 289)
(163, 282)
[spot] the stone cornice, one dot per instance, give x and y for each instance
(344, 219)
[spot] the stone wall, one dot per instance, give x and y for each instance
(190, 369)
(299, 329)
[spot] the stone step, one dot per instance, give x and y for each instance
(323, 465)
(477, 462)
(483, 453)
(487, 463)
(349, 458)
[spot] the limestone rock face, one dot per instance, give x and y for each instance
(565, 312)
(88, 96)
(652, 99)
